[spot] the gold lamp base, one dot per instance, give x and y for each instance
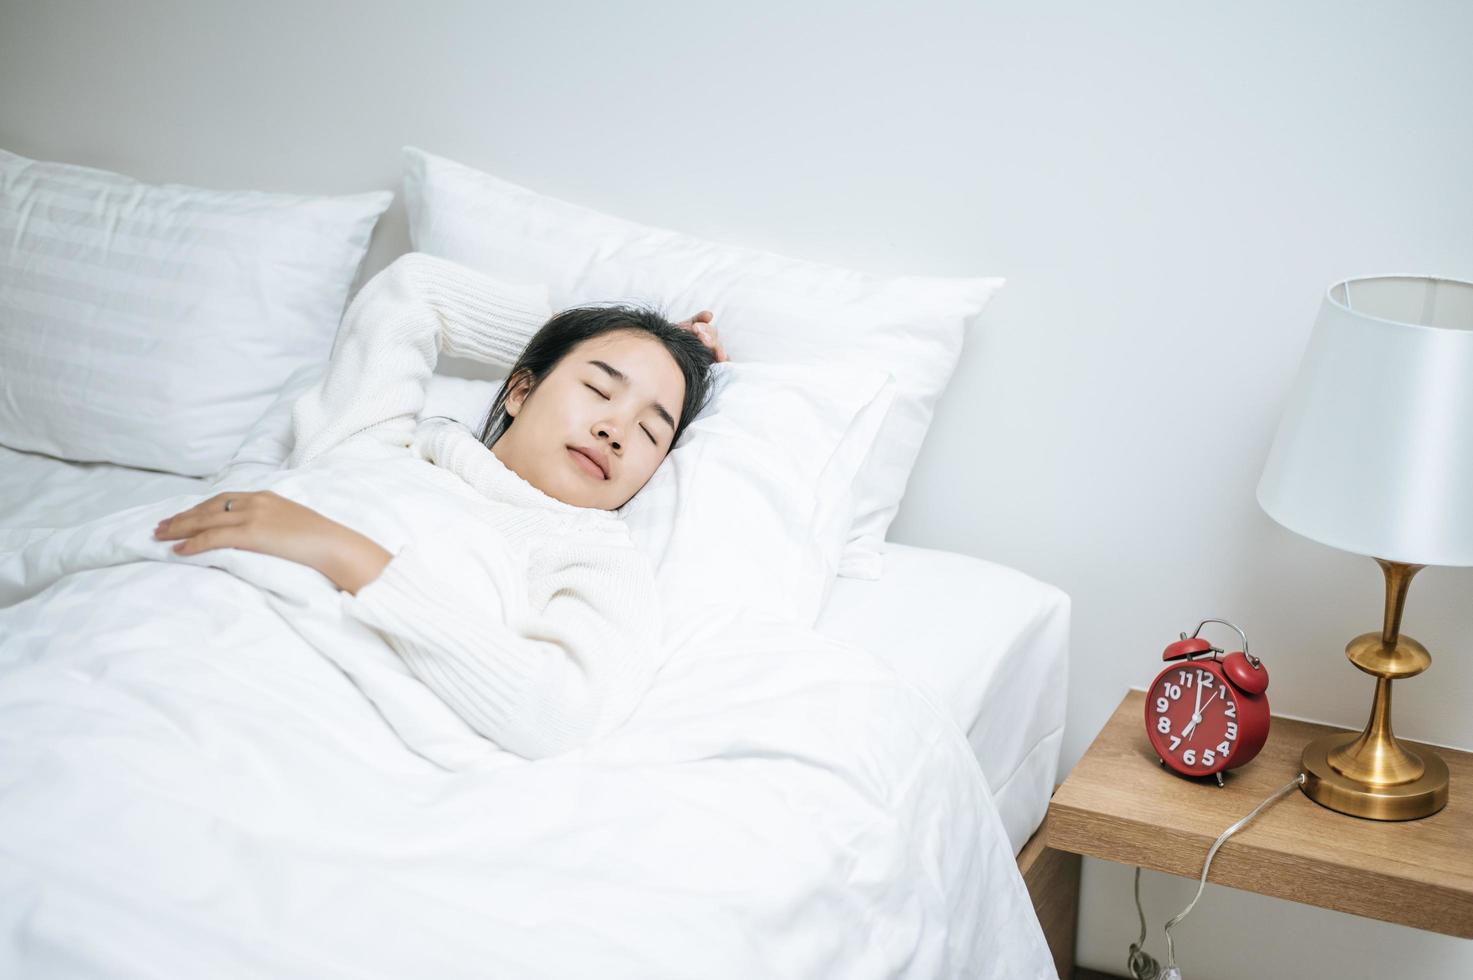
(1372, 774)
(1329, 787)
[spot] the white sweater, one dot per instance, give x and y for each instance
(537, 677)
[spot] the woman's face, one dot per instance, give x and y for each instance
(616, 397)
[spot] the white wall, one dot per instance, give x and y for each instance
(1168, 186)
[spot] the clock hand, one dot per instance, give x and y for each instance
(1198, 716)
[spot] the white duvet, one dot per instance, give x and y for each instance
(206, 771)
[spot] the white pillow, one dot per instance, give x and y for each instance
(467, 400)
(753, 504)
(150, 325)
(768, 308)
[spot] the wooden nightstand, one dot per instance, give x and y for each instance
(1119, 804)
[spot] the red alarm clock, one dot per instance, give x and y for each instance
(1207, 712)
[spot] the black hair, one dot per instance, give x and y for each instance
(568, 329)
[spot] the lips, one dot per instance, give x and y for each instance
(591, 460)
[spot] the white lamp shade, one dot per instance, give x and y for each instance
(1374, 454)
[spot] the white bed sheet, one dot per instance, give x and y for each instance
(986, 643)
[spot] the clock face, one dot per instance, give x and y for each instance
(1193, 714)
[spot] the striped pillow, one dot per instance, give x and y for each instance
(150, 325)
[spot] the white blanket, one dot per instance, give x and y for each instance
(205, 770)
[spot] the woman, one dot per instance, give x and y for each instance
(592, 404)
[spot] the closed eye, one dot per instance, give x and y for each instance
(647, 432)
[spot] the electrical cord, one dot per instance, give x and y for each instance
(1144, 966)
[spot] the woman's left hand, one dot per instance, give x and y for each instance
(270, 524)
(702, 327)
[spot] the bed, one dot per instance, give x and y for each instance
(994, 656)
(841, 769)
(995, 646)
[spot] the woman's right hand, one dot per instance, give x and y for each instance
(700, 325)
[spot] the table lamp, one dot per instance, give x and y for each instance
(1374, 455)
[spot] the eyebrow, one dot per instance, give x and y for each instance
(623, 378)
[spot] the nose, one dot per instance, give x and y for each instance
(609, 431)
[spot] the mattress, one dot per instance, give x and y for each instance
(986, 644)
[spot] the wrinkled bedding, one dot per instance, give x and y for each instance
(207, 771)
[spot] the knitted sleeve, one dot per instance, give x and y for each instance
(538, 674)
(390, 339)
